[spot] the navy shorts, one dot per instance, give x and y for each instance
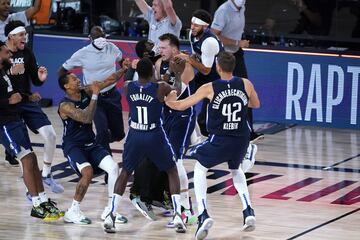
(78, 155)
(219, 149)
(178, 128)
(14, 137)
(153, 145)
(33, 116)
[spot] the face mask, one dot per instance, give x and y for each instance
(239, 3)
(100, 42)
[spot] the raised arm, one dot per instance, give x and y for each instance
(168, 6)
(68, 110)
(31, 11)
(205, 91)
(143, 6)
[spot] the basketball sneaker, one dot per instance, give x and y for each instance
(76, 216)
(204, 224)
(179, 223)
(118, 218)
(55, 187)
(249, 159)
(51, 207)
(11, 160)
(254, 137)
(249, 219)
(41, 212)
(144, 208)
(109, 223)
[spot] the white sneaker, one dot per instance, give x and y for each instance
(118, 218)
(249, 159)
(77, 217)
(109, 223)
(179, 223)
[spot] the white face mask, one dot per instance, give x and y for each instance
(100, 42)
(239, 3)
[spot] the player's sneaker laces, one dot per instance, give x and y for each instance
(249, 219)
(144, 208)
(51, 207)
(41, 212)
(118, 217)
(204, 224)
(50, 181)
(109, 223)
(77, 217)
(11, 160)
(249, 159)
(179, 223)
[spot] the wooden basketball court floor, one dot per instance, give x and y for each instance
(305, 185)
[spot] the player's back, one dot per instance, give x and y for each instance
(145, 108)
(227, 112)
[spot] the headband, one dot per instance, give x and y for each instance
(198, 21)
(17, 30)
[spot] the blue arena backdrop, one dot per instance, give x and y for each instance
(301, 88)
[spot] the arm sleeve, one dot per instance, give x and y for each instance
(116, 52)
(21, 16)
(74, 61)
(219, 20)
(209, 48)
(32, 68)
(149, 15)
(178, 24)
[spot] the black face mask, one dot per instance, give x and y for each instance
(6, 65)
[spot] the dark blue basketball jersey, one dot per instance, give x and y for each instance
(77, 132)
(164, 67)
(227, 112)
(144, 106)
(196, 45)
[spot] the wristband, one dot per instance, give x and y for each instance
(94, 97)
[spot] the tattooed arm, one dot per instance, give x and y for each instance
(68, 110)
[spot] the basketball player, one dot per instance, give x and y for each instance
(146, 138)
(24, 72)
(84, 154)
(15, 139)
(178, 125)
(229, 135)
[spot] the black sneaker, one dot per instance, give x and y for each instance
(51, 207)
(254, 136)
(41, 212)
(204, 224)
(11, 160)
(249, 219)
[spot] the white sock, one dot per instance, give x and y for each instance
(184, 185)
(36, 201)
(240, 184)
(48, 134)
(176, 203)
(75, 206)
(111, 167)
(200, 186)
(46, 169)
(109, 201)
(115, 200)
(43, 197)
